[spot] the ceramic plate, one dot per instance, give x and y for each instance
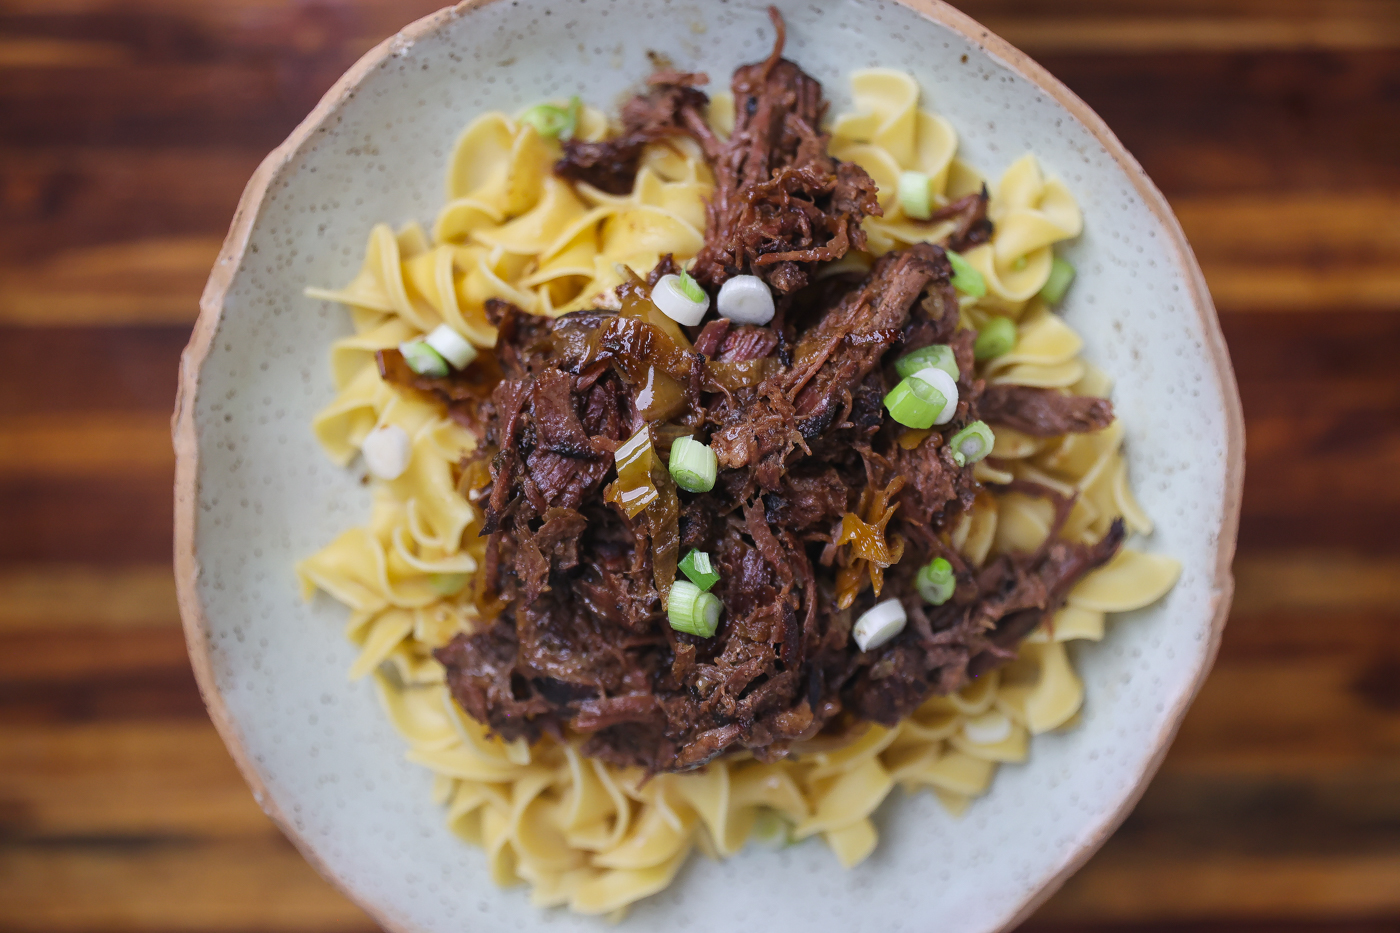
(255, 493)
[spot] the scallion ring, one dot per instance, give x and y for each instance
(935, 581)
(690, 609)
(972, 443)
(448, 584)
(914, 195)
(699, 569)
(423, 359)
(1061, 275)
(680, 298)
(553, 121)
(966, 279)
(879, 624)
(924, 399)
(997, 338)
(693, 465)
(939, 356)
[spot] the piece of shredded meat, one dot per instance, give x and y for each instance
(822, 505)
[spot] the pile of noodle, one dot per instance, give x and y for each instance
(581, 832)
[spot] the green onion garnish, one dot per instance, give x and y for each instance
(965, 278)
(972, 443)
(423, 359)
(698, 569)
(552, 121)
(1061, 274)
(913, 195)
(690, 609)
(1020, 264)
(936, 582)
(939, 356)
(928, 397)
(996, 339)
(448, 584)
(771, 829)
(693, 465)
(689, 287)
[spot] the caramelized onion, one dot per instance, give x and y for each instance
(743, 375)
(866, 536)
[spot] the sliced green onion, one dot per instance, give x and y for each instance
(965, 278)
(698, 569)
(939, 356)
(693, 465)
(690, 609)
(1020, 264)
(879, 624)
(552, 121)
(690, 288)
(936, 582)
(771, 829)
(996, 339)
(1061, 275)
(928, 397)
(423, 359)
(972, 443)
(448, 584)
(913, 195)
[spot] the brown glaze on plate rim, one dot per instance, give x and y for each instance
(186, 440)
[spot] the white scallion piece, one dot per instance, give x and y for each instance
(936, 378)
(386, 451)
(879, 624)
(988, 728)
(745, 299)
(681, 299)
(452, 345)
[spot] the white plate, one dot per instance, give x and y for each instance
(255, 493)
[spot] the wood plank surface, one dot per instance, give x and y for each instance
(127, 131)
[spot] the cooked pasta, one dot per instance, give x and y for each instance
(597, 837)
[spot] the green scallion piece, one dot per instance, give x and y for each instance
(965, 278)
(699, 570)
(448, 584)
(972, 443)
(771, 829)
(693, 465)
(689, 287)
(690, 609)
(914, 195)
(1019, 265)
(554, 122)
(1061, 275)
(423, 359)
(939, 356)
(914, 403)
(936, 582)
(996, 339)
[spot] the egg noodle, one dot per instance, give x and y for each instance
(588, 834)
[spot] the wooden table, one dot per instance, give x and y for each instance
(127, 130)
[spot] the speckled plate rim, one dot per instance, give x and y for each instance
(186, 441)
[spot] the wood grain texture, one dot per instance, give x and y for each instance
(127, 130)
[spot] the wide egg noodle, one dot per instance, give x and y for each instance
(582, 833)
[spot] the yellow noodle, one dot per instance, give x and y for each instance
(580, 832)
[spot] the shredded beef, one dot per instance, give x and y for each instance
(1044, 412)
(663, 111)
(573, 585)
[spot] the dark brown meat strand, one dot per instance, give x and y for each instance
(665, 110)
(1043, 412)
(781, 203)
